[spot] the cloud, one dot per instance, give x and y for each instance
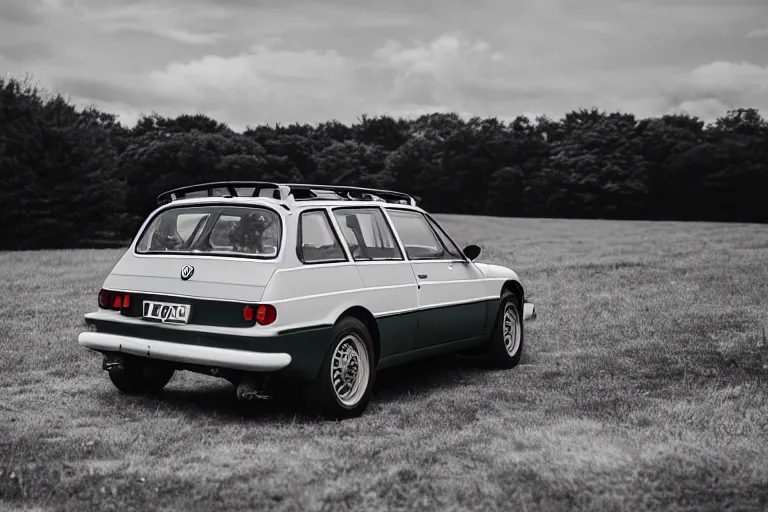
(26, 51)
(22, 13)
(259, 85)
(265, 84)
(710, 90)
(181, 36)
(707, 109)
(433, 72)
(733, 84)
(109, 92)
(248, 62)
(436, 56)
(449, 73)
(758, 32)
(162, 19)
(259, 71)
(470, 74)
(730, 77)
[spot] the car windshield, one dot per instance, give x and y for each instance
(223, 230)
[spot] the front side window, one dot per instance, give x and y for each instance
(213, 229)
(317, 242)
(450, 247)
(419, 240)
(367, 233)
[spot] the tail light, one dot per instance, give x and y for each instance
(265, 314)
(114, 301)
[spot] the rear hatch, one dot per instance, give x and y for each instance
(229, 250)
(239, 280)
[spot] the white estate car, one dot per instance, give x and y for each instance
(318, 285)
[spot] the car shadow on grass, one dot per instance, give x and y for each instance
(423, 377)
(217, 398)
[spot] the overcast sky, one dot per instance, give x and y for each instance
(247, 62)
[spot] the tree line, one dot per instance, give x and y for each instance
(74, 177)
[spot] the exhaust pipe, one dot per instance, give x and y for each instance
(529, 311)
(113, 362)
(252, 387)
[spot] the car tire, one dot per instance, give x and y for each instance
(137, 378)
(342, 388)
(505, 346)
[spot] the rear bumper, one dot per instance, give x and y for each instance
(297, 353)
(529, 311)
(183, 353)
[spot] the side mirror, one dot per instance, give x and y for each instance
(472, 252)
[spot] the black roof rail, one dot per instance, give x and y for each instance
(231, 186)
(299, 191)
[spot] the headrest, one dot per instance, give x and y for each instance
(352, 221)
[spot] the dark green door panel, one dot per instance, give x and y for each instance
(397, 333)
(452, 323)
(432, 351)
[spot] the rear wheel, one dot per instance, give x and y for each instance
(505, 348)
(137, 377)
(342, 388)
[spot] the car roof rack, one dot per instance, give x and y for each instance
(285, 191)
(304, 191)
(233, 189)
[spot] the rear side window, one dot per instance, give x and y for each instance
(213, 229)
(367, 234)
(317, 241)
(419, 240)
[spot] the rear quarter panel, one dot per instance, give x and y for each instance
(318, 295)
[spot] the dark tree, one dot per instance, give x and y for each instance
(75, 177)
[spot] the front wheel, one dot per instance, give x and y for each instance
(505, 348)
(342, 388)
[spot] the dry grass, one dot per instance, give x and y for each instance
(643, 387)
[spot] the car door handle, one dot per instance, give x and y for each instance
(422, 276)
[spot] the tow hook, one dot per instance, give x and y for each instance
(113, 362)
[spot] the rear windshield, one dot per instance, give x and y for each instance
(222, 230)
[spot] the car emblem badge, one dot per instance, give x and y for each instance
(187, 271)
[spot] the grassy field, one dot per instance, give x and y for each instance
(643, 386)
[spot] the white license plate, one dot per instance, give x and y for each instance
(166, 311)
